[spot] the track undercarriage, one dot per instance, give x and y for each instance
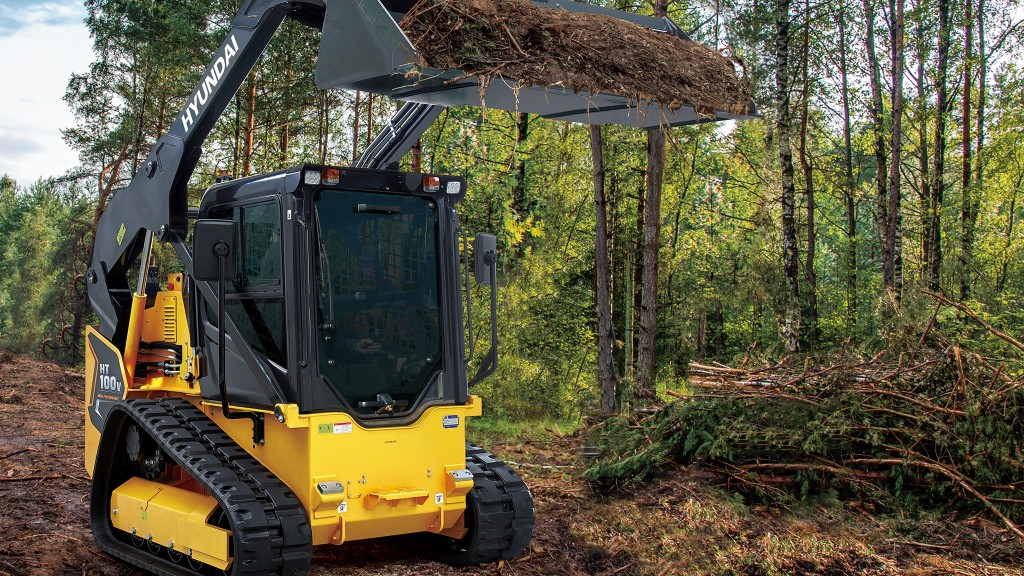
(265, 523)
(179, 497)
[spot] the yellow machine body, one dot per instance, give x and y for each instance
(354, 482)
(105, 381)
(172, 517)
(359, 483)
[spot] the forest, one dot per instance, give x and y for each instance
(868, 220)
(887, 163)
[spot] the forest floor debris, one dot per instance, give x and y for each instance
(935, 431)
(929, 424)
(577, 50)
(678, 523)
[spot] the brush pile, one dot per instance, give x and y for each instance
(534, 45)
(936, 428)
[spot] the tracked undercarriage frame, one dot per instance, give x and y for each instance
(179, 497)
(241, 520)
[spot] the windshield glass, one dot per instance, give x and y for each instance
(379, 327)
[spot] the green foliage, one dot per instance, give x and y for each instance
(36, 227)
(899, 438)
(545, 318)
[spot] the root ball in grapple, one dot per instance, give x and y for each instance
(581, 51)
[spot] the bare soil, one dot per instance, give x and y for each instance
(581, 51)
(678, 524)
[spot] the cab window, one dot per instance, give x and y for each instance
(255, 297)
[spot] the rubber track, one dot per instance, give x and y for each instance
(504, 520)
(270, 530)
(506, 517)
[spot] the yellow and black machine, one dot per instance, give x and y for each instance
(304, 380)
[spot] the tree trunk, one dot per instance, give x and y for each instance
(355, 126)
(519, 189)
(923, 159)
(369, 118)
(602, 282)
(519, 203)
(971, 193)
(249, 131)
(285, 143)
(629, 314)
(323, 125)
(966, 168)
(416, 155)
(937, 187)
(140, 123)
(783, 128)
(848, 188)
(811, 332)
(235, 157)
(646, 369)
(1008, 236)
(286, 110)
(893, 268)
(979, 131)
(878, 129)
(160, 118)
(78, 318)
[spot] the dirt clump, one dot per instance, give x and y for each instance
(577, 50)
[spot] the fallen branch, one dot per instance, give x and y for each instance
(16, 452)
(974, 316)
(52, 477)
(955, 477)
(540, 466)
(919, 544)
(840, 421)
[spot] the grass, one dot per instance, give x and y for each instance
(490, 429)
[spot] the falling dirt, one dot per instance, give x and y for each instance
(677, 524)
(582, 51)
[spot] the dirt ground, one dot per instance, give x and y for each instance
(676, 525)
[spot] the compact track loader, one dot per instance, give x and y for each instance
(304, 381)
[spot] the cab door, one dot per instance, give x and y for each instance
(254, 302)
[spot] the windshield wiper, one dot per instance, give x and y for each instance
(325, 270)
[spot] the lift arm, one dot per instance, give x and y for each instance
(156, 200)
(401, 132)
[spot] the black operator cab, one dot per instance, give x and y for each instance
(363, 267)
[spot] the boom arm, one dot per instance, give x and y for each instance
(401, 132)
(156, 200)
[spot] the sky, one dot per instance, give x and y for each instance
(41, 43)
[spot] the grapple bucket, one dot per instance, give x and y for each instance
(363, 48)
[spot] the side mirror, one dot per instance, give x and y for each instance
(213, 253)
(213, 241)
(485, 254)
